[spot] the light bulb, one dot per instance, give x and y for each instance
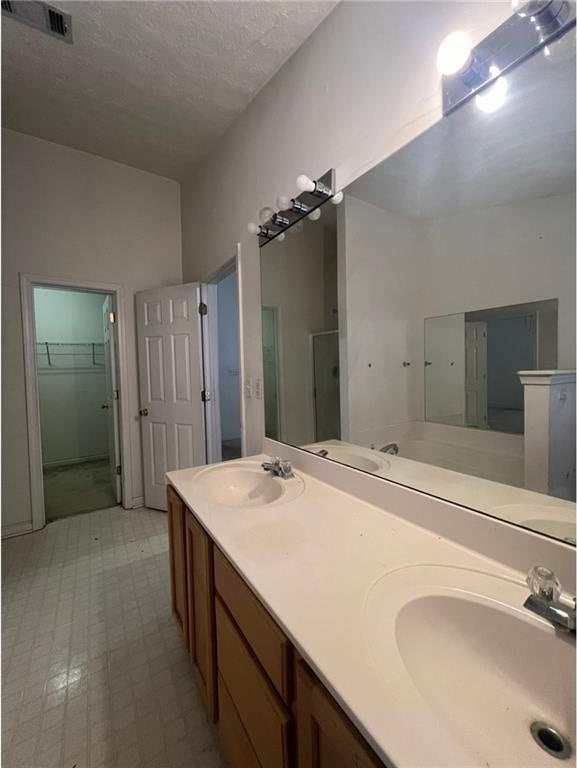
(284, 203)
(265, 214)
(304, 184)
(253, 228)
(338, 198)
(296, 228)
(314, 215)
(454, 53)
(280, 237)
(493, 97)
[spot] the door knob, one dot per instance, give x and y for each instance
(105, 406)
(143, 411)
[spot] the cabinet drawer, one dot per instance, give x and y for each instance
(263, 715)
(269, 644)
(235, 743)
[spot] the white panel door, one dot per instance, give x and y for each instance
(476, 374)
(170, 382)
(111, 403)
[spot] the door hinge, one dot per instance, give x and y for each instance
(116, 395)
(112, 317)
(119, 470)
(205, 396)
(202, 309)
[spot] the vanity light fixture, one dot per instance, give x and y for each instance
(338, 198)
(292, 209)
(468, 71)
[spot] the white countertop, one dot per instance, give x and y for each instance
(313, 561)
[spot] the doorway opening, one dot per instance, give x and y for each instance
(76, 381)
(221, 364)
(326, 389)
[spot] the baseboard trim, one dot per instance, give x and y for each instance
(67, 462)
(16, 529)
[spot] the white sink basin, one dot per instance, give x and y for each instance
(345, 455)
(245, 484)
(556, 520)
(462, 652)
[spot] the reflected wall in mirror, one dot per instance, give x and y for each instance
(447, 270)
(472, 363)
(300, 333)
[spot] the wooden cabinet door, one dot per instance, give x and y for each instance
(201, 621)
(176, 510)
(326, 738)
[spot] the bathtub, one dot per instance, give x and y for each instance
(468, 460)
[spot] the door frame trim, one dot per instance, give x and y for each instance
(210, 361)
(27, 284)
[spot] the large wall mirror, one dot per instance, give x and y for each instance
(424, 329)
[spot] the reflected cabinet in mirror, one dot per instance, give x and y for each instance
(424, 329)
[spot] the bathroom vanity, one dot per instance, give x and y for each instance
(323, 630)
(252, 679)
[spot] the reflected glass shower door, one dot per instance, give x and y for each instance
(270, 371)
(326, 386)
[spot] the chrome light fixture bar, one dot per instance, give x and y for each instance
(301, 206)
(534, 24)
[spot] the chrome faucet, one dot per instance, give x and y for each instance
(545, 599)
(392, 448)
(278, 467)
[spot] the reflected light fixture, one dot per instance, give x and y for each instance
(524, 8)
(491, 98)
(314, 215)
(454, 54)
(338, 198)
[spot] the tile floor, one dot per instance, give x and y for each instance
(94, 671)
(75, 488)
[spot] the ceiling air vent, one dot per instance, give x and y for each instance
(41, 16)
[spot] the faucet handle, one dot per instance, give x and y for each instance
(543, 583)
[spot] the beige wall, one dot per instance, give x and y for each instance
(73, 215)
(396, 272)
(360, 87)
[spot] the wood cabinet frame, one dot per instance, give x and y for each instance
(176, 538)
(200, 609)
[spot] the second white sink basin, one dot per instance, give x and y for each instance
(350, 457)
(478, 662)
(246, 484)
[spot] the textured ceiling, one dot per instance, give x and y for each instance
(151, 84)
(471, 159)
